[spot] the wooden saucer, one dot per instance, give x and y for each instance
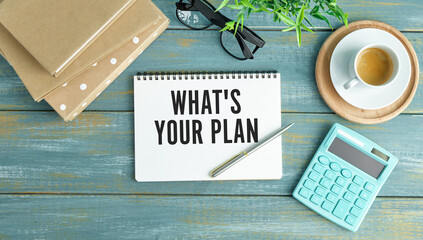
(337, 103)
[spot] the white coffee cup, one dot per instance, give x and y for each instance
(355, 78)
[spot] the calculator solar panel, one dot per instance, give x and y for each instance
(356, 157)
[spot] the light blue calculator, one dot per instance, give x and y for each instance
(343, 178)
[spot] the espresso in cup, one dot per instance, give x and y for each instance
(374, 66)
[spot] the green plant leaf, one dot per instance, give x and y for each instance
(229, 26)
(277, 6)
(248, 4)
(305, 27)
(330, 13)
(345, 19)
(288, 21)
(256, 10)
(336, 11)
(276, 18)
(290, 12)
(343, 15)
(298, 30)
(249, 12)
(224, 2)
(234, 6)
(309, 23)
(236, 28)
(288, 29)
(225, 28)
(315, 10)
(321, 17)
(265, 6)
(300, 16)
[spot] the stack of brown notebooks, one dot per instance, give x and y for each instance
(68, 52)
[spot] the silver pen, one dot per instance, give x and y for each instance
(237, 158)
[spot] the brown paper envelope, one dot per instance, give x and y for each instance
(74, 96)
(55, 32)
(39, 82)
(139, 17)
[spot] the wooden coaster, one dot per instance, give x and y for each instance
(337, 103)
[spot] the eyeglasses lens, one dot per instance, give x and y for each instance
(230, 43)
(193, 19)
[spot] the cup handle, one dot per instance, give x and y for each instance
(351, 83)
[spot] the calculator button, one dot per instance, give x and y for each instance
(308, 184)
(331, 197)
(329, 174)
(350, 220)
(354, 188)
(327, 206)
(346, 173)
(360, 203)
(358, 180)
(349, 196)
(369, 186)
(364, 195)
(336, 189)
(341, 209)
(304, 192)
(318, 168)
(313, 176)
(320, 191)
(315, 199)
(335, 167)
(340, 181)
(323, 160)
(355, 211)
(325, 182)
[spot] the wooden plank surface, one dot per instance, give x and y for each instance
(76, 180)
(404, 15)
(94, 154)
(194, 217)
(191, 51)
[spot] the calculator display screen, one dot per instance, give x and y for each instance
(356, 157)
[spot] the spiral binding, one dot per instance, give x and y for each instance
(205, 75)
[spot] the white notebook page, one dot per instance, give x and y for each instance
(231, 113)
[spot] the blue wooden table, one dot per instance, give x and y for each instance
(76, 180)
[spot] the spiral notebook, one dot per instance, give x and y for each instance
(188, 124)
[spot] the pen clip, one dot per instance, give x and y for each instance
(230, 159)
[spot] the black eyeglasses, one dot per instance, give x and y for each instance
(200, 14)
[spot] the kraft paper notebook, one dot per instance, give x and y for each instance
(142, 15)
(70, 99)
(55, 32)
(188, 124)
